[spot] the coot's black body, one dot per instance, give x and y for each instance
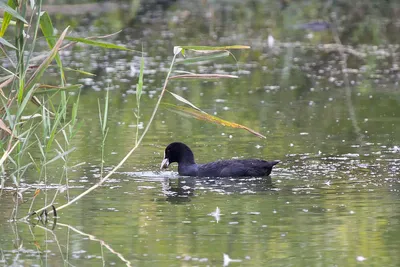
(183, 155)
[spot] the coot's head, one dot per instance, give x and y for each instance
(177, 152)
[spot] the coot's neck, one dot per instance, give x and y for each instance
(187, 157)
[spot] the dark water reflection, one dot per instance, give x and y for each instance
(332, 201)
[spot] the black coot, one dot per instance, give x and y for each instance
(183, 155)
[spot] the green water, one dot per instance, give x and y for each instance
(334, 200)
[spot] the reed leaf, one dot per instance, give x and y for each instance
(40, 70)
(139, 85)
(215, 48)
(80, 71)
(202, 76)
(6, 43)
(211, 56)
(201, 115)
(4, 127)
(48, 30)
(97, 43)
(54, 89)
(184, 100)
(9, 11)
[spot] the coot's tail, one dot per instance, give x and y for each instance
(269, 165)
(274, 162)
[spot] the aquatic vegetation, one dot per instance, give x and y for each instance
(47, 126)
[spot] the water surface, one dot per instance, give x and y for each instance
(332, 201)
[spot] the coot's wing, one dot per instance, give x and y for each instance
(214, 169)
(248, 167)
(236, 168)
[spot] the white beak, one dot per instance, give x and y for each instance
(164, 163)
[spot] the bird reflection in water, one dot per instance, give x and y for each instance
(182, 189)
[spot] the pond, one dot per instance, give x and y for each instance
(334, 198)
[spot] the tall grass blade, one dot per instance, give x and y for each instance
(7, 153)
(200, 115)
(48, 30)
(80, 71)
(4, 127)
(139, 85)
(7, 17)
(9, 9)
(98, 43)
(203, 76)
(216, 48)
(54, 89)
(40, 70)
(24, 102)
(211, 56)
(6, 82)
(184, 100)
(104, 126)
(60, 155)
(6, 43)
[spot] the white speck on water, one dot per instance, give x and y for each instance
(361, 258)
(216, 214)
(264, 226)
(230, 136)
(274, 211)
(186, 222)
(225, 108)
(330, 99)
(258, 146)
(304, 133)
(254, 213)
(228, 260)
(222, 134)
(351, 155)
(110, 69)
(291, 144)
(352, 212)
(271, 41)
(305, 210)
(233, 222)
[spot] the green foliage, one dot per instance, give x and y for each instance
(40, 127)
